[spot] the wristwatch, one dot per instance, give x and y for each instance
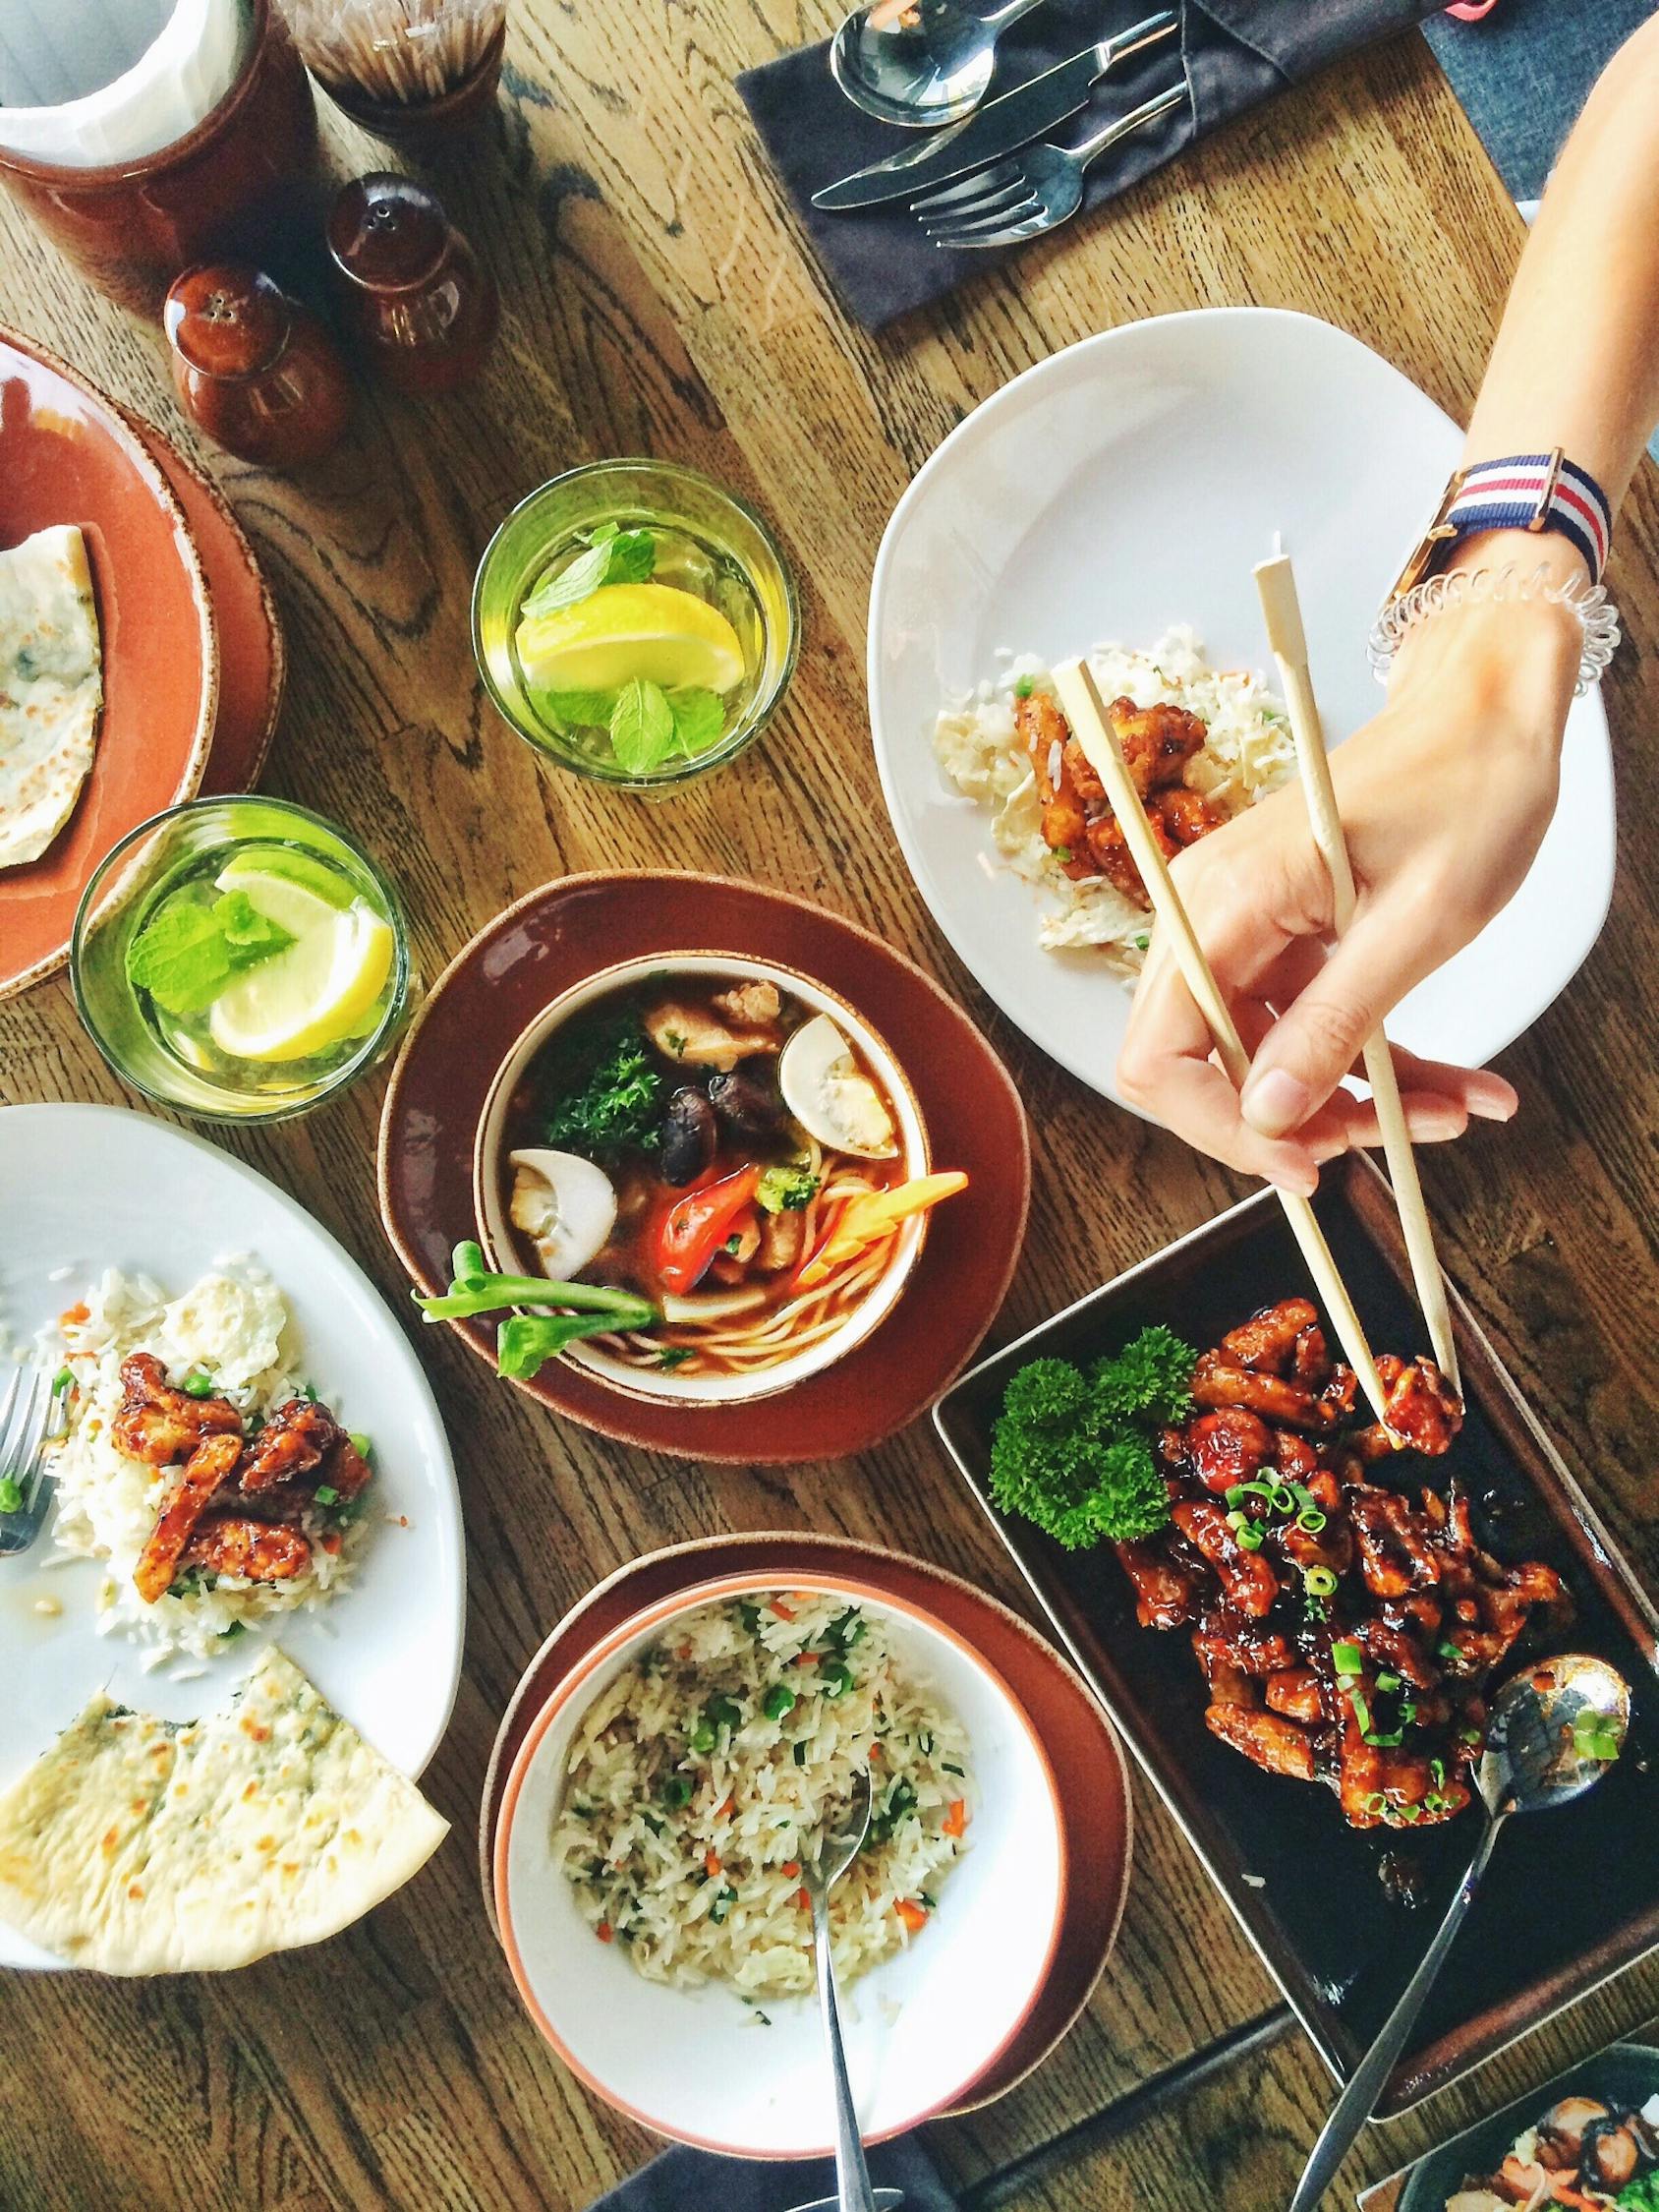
(1535, 491)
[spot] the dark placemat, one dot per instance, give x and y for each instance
(1233, 53)
(691, 2180)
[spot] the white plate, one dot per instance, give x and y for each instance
(95, 1187)
(1128, 484)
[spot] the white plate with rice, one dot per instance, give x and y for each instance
(1118, 492)
(647, 1863)
(172, 1245)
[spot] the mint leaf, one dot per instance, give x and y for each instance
(699, 719)
(579, 709)
(249, 935)
(585, 575)
(642, 726)
(601, 532)
(180, 957)
(633, 556)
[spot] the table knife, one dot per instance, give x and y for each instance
(1000, 127)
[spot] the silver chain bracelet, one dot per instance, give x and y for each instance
(1462, 587)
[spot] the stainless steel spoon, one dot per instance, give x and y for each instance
(836, 1850)
(1554, 1732)
(922, 73)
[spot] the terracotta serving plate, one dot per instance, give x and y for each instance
(1570, 1898)
(67, 454)
(571, 929)
(1088, 1767)
(252, 655)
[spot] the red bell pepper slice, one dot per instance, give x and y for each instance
(696, 1226)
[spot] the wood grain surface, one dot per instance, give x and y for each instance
(659, 298)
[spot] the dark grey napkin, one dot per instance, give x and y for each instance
(1234, 54)
(690, 2180)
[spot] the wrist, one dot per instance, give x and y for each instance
(1502, 666)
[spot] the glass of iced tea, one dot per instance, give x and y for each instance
(635, 622)
(241, 958)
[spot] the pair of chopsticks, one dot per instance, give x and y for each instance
(1086, 711)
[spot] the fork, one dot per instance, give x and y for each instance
(29, 1409)
(1029, 191)
(835, 1852)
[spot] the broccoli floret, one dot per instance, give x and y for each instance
(1640, 2195)
(787, 1190)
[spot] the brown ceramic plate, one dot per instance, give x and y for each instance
(1094, 1793)
(253, 658)
(571, 929)
(1571, 1897)
(67, 454)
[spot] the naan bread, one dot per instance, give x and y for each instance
(51, 688)
(145, 1846)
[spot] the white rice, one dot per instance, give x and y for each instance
(233, 1325)
(711, 1888)
(1248, 753)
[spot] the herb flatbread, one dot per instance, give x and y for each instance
(138, 1845)
(51, 688)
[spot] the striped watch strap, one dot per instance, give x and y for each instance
(1534, 491)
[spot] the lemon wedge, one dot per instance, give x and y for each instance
(313, 993)
(653, 632)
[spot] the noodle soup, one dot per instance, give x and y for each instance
(696, 1131)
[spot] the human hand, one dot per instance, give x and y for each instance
(1445, 798)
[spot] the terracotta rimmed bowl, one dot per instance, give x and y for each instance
(510, 1254)
(1096, 1808)
(69, 455)
(923, 2026)
(253, 655)
(570, 930)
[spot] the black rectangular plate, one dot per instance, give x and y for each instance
(1572, 1895)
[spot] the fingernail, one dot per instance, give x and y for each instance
(1275, 1101)
(1492, 1108)
(1295, 1186)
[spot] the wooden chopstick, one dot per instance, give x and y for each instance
(1281, 609)
(1085, 710)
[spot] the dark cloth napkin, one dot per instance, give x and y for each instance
(691, 2180)
(1234, 53)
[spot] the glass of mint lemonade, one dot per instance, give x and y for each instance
(239, 958)
(635, 622)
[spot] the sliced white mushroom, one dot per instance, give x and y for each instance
(830, 1095)
(564, 1205)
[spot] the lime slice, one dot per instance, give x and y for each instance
(310, 996)
(267, 873)
(653, 632)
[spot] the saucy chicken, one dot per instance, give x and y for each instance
(1347, 1624)
(240, 1504)
(1078, 824)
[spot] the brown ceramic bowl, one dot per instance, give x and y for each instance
(569, 931)
(253, 658)
(67, 454)
(1088, 1767)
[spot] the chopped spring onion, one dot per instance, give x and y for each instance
(1282, 1498)
(1437, 1767)
(62, 1381)
(1449, 1651)
(1377, 1804)
(1310, 1519)
(363, 1445)
(1388, 1681)
(1321, 1581)
(327, 1494)
(800, 1755)
(11, 1494)
(1384, 1742)
(1348, 1659)
(1362, 1713)
(1249, 1537)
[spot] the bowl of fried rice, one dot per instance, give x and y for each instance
(648, 1858)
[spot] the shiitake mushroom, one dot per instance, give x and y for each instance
(746, 1102)
(690, 1136)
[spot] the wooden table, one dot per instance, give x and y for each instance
(659, 298)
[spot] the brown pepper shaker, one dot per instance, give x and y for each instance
(252, 368)
(414, 296)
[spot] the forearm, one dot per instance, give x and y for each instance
(1577, 359)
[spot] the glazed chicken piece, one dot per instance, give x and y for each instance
(207, 1470)
(754, 1004)
(1228, 1446)
(1182, 816)
(1109, 850)
(343, 1468)
(1423, 1408)
(1310, 1357)
(1395, 1651)
(1157, 742)
(235, 1543)
(1394, 1556)
(1217, 1381)
(1266, 1340)
(1165, 1592)
(1047, 735)
(1247, 1581)
(1294, 1691)
(1225, 1639)
(1267, 1739)
(692, 1036)
(291, 1443)
(160, 1425)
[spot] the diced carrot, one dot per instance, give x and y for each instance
(726, 1810)
(711, 1864)
(73, 1315)
(330, 1541)
(802, 1900)
(777, 1607)
(807, 1658)
(684, 1652)
(875, 1751)
(914, 1916)
(604, 1931)
(957, 1820)
(789, 1869)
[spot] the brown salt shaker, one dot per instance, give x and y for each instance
(252, 368)
(414, 296)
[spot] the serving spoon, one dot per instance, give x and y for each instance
(1554, 1732)
(922, 74)
(838, 1847)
